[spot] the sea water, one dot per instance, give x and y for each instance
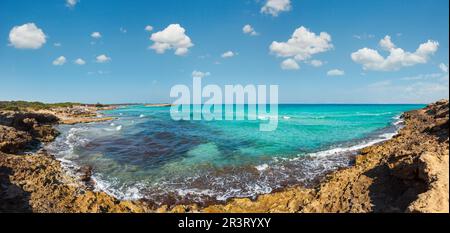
(143, 153)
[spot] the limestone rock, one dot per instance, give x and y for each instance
(12, 140)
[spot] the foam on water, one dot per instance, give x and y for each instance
(262, 167)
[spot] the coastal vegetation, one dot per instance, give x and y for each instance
(25, 105)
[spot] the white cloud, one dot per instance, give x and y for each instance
(57, 44)
(199, 74)
(172, 37)
(443, 67)
(302, 45)
(431, 76)
(96, 35)
(59, 61)
(370, 59)
(275, 7)
(386, 43)
(71, 3)
(102, 58)
(123, 30)
(335, 72)
(289, 64)
(248, 29)
(80, 62)
(316, 63)
(421, 91)
(228, 54)
(27, 36)
(148, 28)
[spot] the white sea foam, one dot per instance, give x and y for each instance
(286, 117)
(372, 114)
(340, 150)
(262, 167)
(142, 116)
(131, 192)
(119, 128)
(354, 148)
(398, 120)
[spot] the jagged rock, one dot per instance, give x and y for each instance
(86, 176)
(26, 120)
(38, 125)
(12, 140)
(40, 183)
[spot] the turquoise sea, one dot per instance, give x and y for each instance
(143, 153)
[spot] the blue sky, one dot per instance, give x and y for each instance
(354, 65)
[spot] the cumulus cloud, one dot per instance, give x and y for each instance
(370, 59)
(228, 54)
(27, 36)
(102, 59)
(172, 37)
(335, 72)
(443, 67)
(71, 3)
(289, 64)
(302, 45)
(199, 74)
(57, 44)
(386, 43)
(123, 30)
(148, 28)
(96, 35)
(80, 62)
(248, 29)
(59, 61)
(275, 7)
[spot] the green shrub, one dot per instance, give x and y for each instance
(24, 105)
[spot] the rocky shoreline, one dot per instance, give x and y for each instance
(408, 173)
(37, 182)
